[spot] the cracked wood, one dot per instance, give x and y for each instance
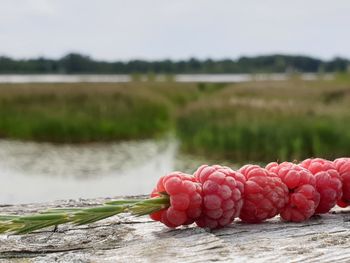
(324, 238)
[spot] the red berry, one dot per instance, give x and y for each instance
(185, 199)
(328, 182)
(222, 195)
(343, 167)
(264, 195)
(303, 196)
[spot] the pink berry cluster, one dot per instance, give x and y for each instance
(215, 195)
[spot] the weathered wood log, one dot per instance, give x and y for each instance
(324, 238)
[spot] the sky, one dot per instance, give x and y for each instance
(159, 29)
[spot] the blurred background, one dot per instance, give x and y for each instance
(101, 98)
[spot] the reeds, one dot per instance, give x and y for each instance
(269, 121)
(255, 121)
(81, 113)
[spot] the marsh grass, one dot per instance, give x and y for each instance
(265, 121)
(255, 121)
(88, 112)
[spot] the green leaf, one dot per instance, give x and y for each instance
(150, 206)
(4, 228)
(27, 224)
(124, 202)
(62, 210)
(81, 216)
(91, 215)
(30, 227)
(7, 217)
(40, 217)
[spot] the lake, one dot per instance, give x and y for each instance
(37, 172)
(222, 78)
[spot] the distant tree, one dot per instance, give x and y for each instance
(337, 65)
(75, 63)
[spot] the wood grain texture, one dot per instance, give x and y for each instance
(124, 238)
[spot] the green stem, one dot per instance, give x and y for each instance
(81, 216)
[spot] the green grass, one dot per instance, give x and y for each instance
(265, 121)
(87, 112)
(255, 121)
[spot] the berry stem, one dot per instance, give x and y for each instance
(81, 216)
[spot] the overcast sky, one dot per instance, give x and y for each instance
(177, 29)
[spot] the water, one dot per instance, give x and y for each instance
(222, 78)
(37, 172)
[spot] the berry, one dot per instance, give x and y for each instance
(264, 195)
(343, 167)
(303, 196)
(185, 199)
(222, 195)
(328, 182)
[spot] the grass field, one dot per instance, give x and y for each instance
(264, 121)
(81, 112)
(255, 121)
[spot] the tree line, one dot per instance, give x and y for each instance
(75, 63)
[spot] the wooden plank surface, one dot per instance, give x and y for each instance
(124, 238)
